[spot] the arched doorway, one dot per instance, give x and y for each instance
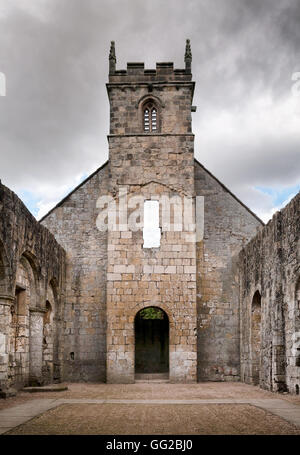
(151, 327)
(256, 337)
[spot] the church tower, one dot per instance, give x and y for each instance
(151, 181)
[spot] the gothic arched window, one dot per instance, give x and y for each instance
(150, 117)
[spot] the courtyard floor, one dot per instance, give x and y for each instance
(151, 408)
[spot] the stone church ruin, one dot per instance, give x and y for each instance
(82, 303)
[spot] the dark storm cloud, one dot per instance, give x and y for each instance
(54, 119)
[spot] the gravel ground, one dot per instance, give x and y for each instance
(121, 419)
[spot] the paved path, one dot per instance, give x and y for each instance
(18, 415)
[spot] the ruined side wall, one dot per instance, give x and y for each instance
(228, 225)
(73, 224)
(270, 264)
(31, 259)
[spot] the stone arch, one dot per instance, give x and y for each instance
(256, 337)
(149, 96)
(161, 305)
(165, 308)
(151, 329)
(30, 264)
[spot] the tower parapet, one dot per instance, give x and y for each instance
(136, 72)
(169, 91)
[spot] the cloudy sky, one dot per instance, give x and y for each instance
(54, 117)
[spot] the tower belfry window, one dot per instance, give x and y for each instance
(150, 118)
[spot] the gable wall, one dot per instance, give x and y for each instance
(228, 225)
(74, 227)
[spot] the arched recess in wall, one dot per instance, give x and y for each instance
(256, 337)
(30, 262)
(20, 339)
(51, 335)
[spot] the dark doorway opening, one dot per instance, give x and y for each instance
(151, 341)
(256, 337)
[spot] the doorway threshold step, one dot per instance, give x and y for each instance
(152, 377)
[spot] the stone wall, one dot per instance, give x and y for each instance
(269, 265)
(166, 159)
(139, 277)
(228, 225)
(31, 262)
(73, 223)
